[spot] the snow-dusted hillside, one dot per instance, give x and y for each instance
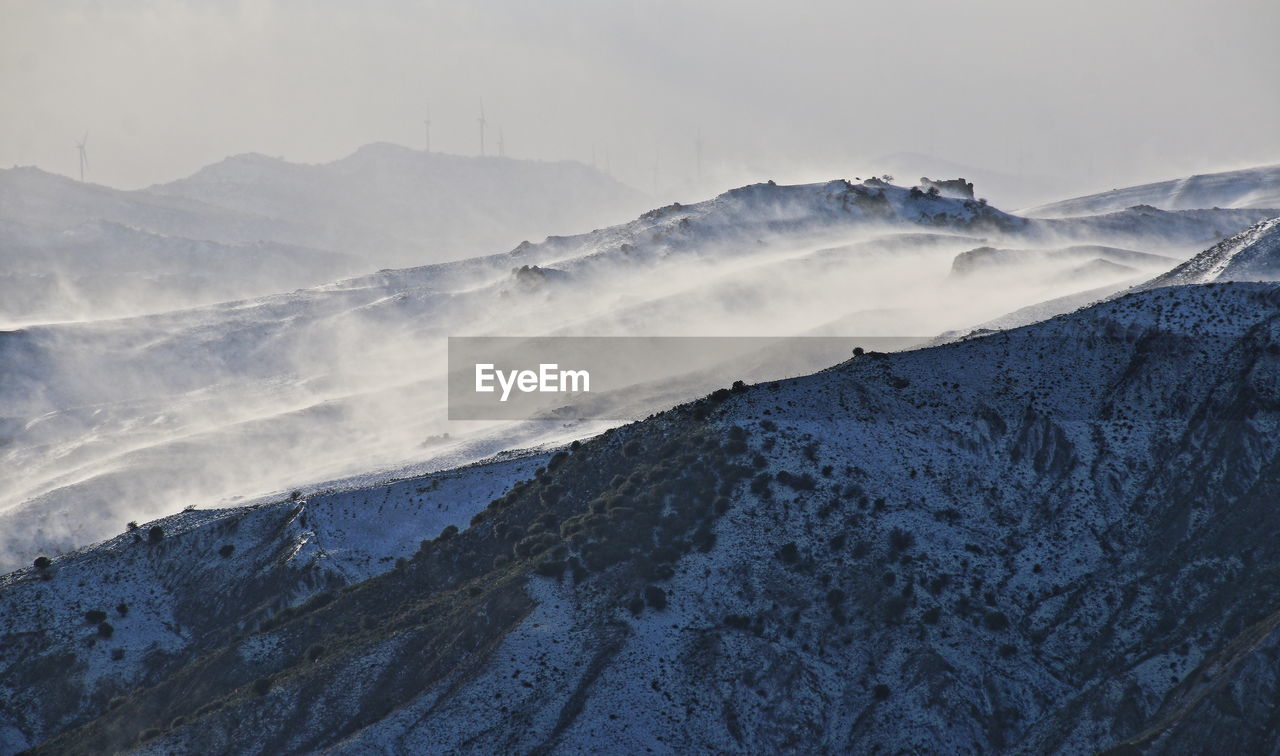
(210, 576)
(208, 405)
(1053, 539)
(1251, 255)
(1249, 188)
(1179, 233)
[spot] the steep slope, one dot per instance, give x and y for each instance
(1249, 188)
(211, 576)
(1251, 255)
(1053, 539)
(397, 206)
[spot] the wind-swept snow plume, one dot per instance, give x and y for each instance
(214, 405)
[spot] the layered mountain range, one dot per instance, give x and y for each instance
(229, 402)
(1043, 537)
(253, 225)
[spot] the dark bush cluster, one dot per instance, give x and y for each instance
(901, 540)
(646, 507)
(802, 482)
(743, 622)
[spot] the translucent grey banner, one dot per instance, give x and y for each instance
(626, 377)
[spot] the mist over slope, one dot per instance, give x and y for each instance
(212, 403)
(1252, 255)
(251, 225)
(1056, 538)
(1248, 188)
(101, 269)
(209, 406)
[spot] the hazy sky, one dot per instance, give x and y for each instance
(1096, 92)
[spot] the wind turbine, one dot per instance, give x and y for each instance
(427, 123)
(84, 156)
(482, 122)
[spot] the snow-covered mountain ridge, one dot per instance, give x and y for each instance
(1056, 538)
(1248, 188)
(1251, 255)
